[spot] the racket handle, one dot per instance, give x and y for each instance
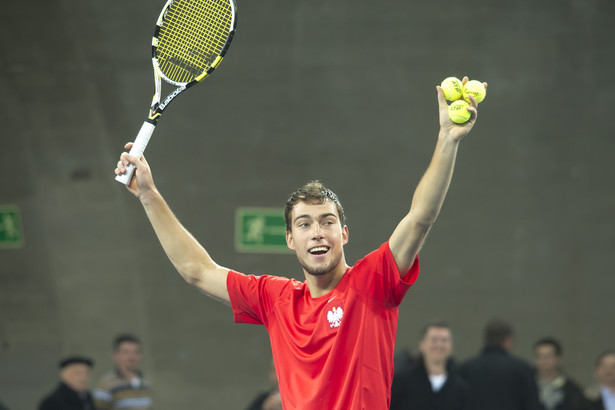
(146, 131)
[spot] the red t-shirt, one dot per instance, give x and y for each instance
(334, 351)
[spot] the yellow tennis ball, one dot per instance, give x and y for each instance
(458, 112)
(452, 88)
(476, 89)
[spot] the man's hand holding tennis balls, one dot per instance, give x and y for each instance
(456, 131)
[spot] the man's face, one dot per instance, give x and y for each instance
(76, 376)
(317, 237)
(547, 360)
(605, 372)
(127, 357)
(437, 345)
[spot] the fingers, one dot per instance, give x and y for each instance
(119, 168)
(473, 112)
(473, 107)
(473, 102)
(125, 159)
(441, 99)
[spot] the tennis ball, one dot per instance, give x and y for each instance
(476, 89)
(458, 112)
(452, 88)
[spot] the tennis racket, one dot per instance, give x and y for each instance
(190, 39)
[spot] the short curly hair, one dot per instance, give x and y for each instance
(314, 192)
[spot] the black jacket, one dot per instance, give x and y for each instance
(411, 389)
(596, 404)
(65, 398)
(500, 381)
(574, 399)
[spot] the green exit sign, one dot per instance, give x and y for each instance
(11, 235)
(260, 230)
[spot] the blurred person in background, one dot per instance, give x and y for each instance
(499, 381)
(603, 396)
(124, 386)
(555, 390)
(430, 383)
(73, 392)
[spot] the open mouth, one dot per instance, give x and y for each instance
(318, 250)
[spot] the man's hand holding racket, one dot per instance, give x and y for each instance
(142, 181)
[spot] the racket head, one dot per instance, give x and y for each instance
(191, 38)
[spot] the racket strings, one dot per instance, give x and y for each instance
(192, 35)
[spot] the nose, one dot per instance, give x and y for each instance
(317, 232)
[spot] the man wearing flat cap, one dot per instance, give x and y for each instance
(72, 393)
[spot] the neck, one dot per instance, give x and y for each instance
(320, 285)
(435, 368)
(74, 388)
(128, 374)
(548, 375)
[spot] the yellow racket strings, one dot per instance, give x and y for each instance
(192, 35)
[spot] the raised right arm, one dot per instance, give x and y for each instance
(187, 255)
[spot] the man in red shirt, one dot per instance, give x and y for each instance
(332, 336)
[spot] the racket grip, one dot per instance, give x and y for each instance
(146, 131)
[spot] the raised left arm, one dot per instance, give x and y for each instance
(431, 190)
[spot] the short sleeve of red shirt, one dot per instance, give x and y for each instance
(253, 296)
(380, 280)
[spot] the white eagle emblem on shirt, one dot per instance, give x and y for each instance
(334, 316)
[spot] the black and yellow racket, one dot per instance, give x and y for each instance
(190, 39)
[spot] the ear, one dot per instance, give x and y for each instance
(345, 236)
(289, 240)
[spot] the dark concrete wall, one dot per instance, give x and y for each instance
(338, 90)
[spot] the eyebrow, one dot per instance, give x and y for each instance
(321, 216)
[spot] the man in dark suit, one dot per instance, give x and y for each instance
(429, 383)
(498, 380)
(72, 393)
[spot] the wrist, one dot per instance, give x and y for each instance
(150, 195)
(446, 137)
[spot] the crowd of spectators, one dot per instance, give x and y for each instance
(495, 379)
(430, 379)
